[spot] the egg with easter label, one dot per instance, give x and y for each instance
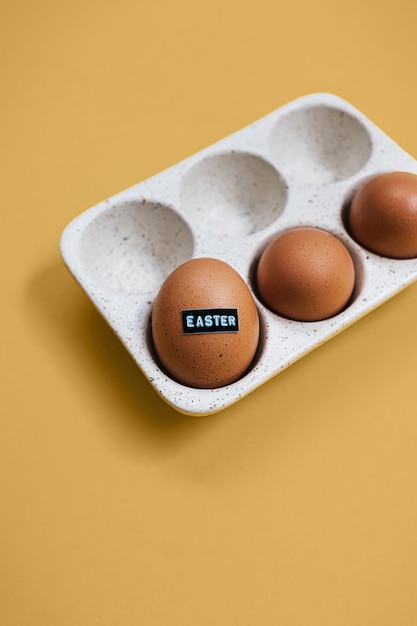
(205, 324)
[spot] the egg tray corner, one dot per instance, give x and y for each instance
(298, 166)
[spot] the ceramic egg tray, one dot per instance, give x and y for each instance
(298, 166)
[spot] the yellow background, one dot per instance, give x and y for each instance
(298, 505)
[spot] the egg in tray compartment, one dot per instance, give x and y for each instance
(227, 267)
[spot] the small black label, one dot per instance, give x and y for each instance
(202, 321)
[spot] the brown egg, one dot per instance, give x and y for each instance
(383, 215)
(205, 324)
(306, 274)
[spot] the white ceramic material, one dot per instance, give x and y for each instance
(298, 166)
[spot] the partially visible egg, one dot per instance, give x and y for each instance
(205, 324)
(383, 215)
(306, 274)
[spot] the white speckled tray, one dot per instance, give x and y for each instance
(299, 165)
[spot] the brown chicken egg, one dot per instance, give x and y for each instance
(205, 324)
(383, 215)
(305, 274)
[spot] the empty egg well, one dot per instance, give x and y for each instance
(319, 144)
(133, 246)
(233, 194)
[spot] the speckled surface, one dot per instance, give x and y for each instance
(298, 166)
